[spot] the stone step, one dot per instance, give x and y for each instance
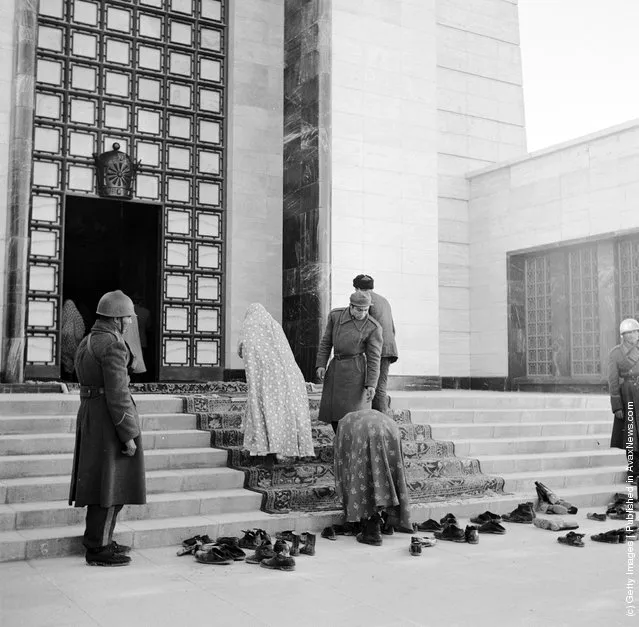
(67, 540)
(66, 424)
(460, 399)
(66, 404)
(56, 488)
(502, 465)
(560, 479)
(52, 443)
(505, 416)
(456, 431)
(478, 447)
(12, 466)
(164, 505)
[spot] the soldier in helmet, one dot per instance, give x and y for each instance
(108, 463)
(623, 383)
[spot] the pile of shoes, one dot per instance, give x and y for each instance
(549, 503)
(452, 532)
(228, 549)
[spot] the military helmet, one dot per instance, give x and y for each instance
(628, 325)
(115, 305)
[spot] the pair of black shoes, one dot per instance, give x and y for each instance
(371, 531)
(301, 543)
(191, 545)
(112, 555)
(253, 538)
(225, 550)
(280, 559)
(347, 529)
(452, 532)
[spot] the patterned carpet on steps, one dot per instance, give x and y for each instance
(434, 472)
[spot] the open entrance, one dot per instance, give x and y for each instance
(111, 245)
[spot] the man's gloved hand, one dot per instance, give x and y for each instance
(619, 414)
(129, 448)
(370, 394)
(320, 372)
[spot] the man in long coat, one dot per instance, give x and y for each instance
(108, 462)
(381, 311)
(623, 384)
(352, 375)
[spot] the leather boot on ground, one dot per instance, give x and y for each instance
(281, 560)
(309, 544)
(263, 552)
(371, 532)
(106, 556)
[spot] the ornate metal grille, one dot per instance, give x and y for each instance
(538, 316)
(584, 312)
(628, 254)
(149, 75)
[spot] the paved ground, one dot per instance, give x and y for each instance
(525, 578)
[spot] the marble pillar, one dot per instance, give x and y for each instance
(19, 193)
(307, 181)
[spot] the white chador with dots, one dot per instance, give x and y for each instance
(277, 416)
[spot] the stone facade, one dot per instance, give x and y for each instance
(351, 132)
(582, 191)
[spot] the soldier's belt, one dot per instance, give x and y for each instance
(87, 391)
(342, 357)
(633, 380)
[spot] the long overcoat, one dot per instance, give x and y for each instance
(382, 312)
(623, 384)
(357, 349)
(107, 418)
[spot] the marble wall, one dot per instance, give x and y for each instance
(583, 190)
(307, 176)
(384, 191)
(480, 115)
(254, 183)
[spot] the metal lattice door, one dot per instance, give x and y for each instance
(149, 75)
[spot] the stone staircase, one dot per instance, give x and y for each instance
(561, 440)
(190, 488)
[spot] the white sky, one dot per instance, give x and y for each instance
(581, 66)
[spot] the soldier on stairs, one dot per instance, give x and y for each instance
(108, 462)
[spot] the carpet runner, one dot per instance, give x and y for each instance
(308, 485)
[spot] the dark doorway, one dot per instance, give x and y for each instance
(111, 245)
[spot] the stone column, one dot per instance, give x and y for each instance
(307, 176)
(19, 191)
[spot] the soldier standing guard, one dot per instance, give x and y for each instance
(623, 384)
(108, 462)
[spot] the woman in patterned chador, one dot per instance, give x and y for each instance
(277, 419)
(370, 477)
